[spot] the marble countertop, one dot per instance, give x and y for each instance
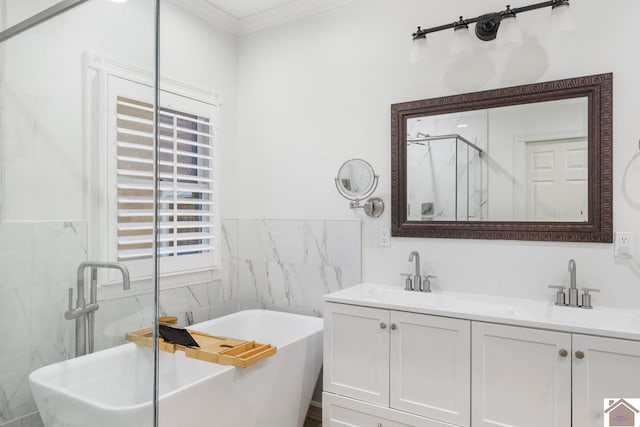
(601, 321)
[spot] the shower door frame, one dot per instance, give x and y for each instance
(39, 18)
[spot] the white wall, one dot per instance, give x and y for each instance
(315, 92)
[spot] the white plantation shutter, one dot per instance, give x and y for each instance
(186, 173)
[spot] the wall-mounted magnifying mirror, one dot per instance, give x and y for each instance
(356, 181)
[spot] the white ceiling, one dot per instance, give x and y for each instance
(242, 17)
(243, 8)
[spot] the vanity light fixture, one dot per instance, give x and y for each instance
(462, 42)
(509, 31)
(501, 25)
(560, 20)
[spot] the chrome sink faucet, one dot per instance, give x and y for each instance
(573, 291)
(417, 279)
(84, 314)
(417, 282)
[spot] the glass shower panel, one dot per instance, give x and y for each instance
(477, 194)
(432, 175)
(64, 137)
(469, 164)
(462, 180)
(444, 179)
(13, 12)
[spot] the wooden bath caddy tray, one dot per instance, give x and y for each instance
(222, 350)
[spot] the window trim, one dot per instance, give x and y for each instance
(97, 71)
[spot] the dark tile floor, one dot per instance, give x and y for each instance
(314, 417)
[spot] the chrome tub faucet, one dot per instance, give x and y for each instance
(83, 313)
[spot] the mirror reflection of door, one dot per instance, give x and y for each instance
(557, 178)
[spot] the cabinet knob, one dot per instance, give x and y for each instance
(563, 353)
(383, 325)
(579, 355)
(394, 326)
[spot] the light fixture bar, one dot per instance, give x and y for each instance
(496, 17)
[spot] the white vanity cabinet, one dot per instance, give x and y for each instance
(409, 362)
(340, 411)
(395, 359)
(356, 352)
(605, 368)
(529, 377)
(520, 376)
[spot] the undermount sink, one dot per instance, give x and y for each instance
(597, 317)
(519, 311)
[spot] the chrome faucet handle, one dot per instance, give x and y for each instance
(560, 295)
(425, 286)
(586, 297)
(72, 313)
(408, 282)
(70, 299)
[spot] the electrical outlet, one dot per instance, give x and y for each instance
(384, 237)
(623, 245)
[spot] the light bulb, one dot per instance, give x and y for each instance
(118, 1)
(419, 50)
(561, 20)
(462, 42)
(509, 33)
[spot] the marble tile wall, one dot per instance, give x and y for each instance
(276, 264)
(38, 262)
(289, 265)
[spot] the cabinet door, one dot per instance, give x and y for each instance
(338, 411)
(610, 369)
(521, 377)
(356, 352)
(430, 366)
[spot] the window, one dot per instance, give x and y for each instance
(187, 219)
(185, 173)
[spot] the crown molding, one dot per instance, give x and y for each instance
(260, 21)
(286, 13)
(211, 14)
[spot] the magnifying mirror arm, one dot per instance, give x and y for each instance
(356, 204)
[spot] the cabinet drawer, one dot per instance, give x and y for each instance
(338, 411)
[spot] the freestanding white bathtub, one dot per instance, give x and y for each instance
(113, 388)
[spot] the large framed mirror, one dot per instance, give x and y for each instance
(530, 162)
